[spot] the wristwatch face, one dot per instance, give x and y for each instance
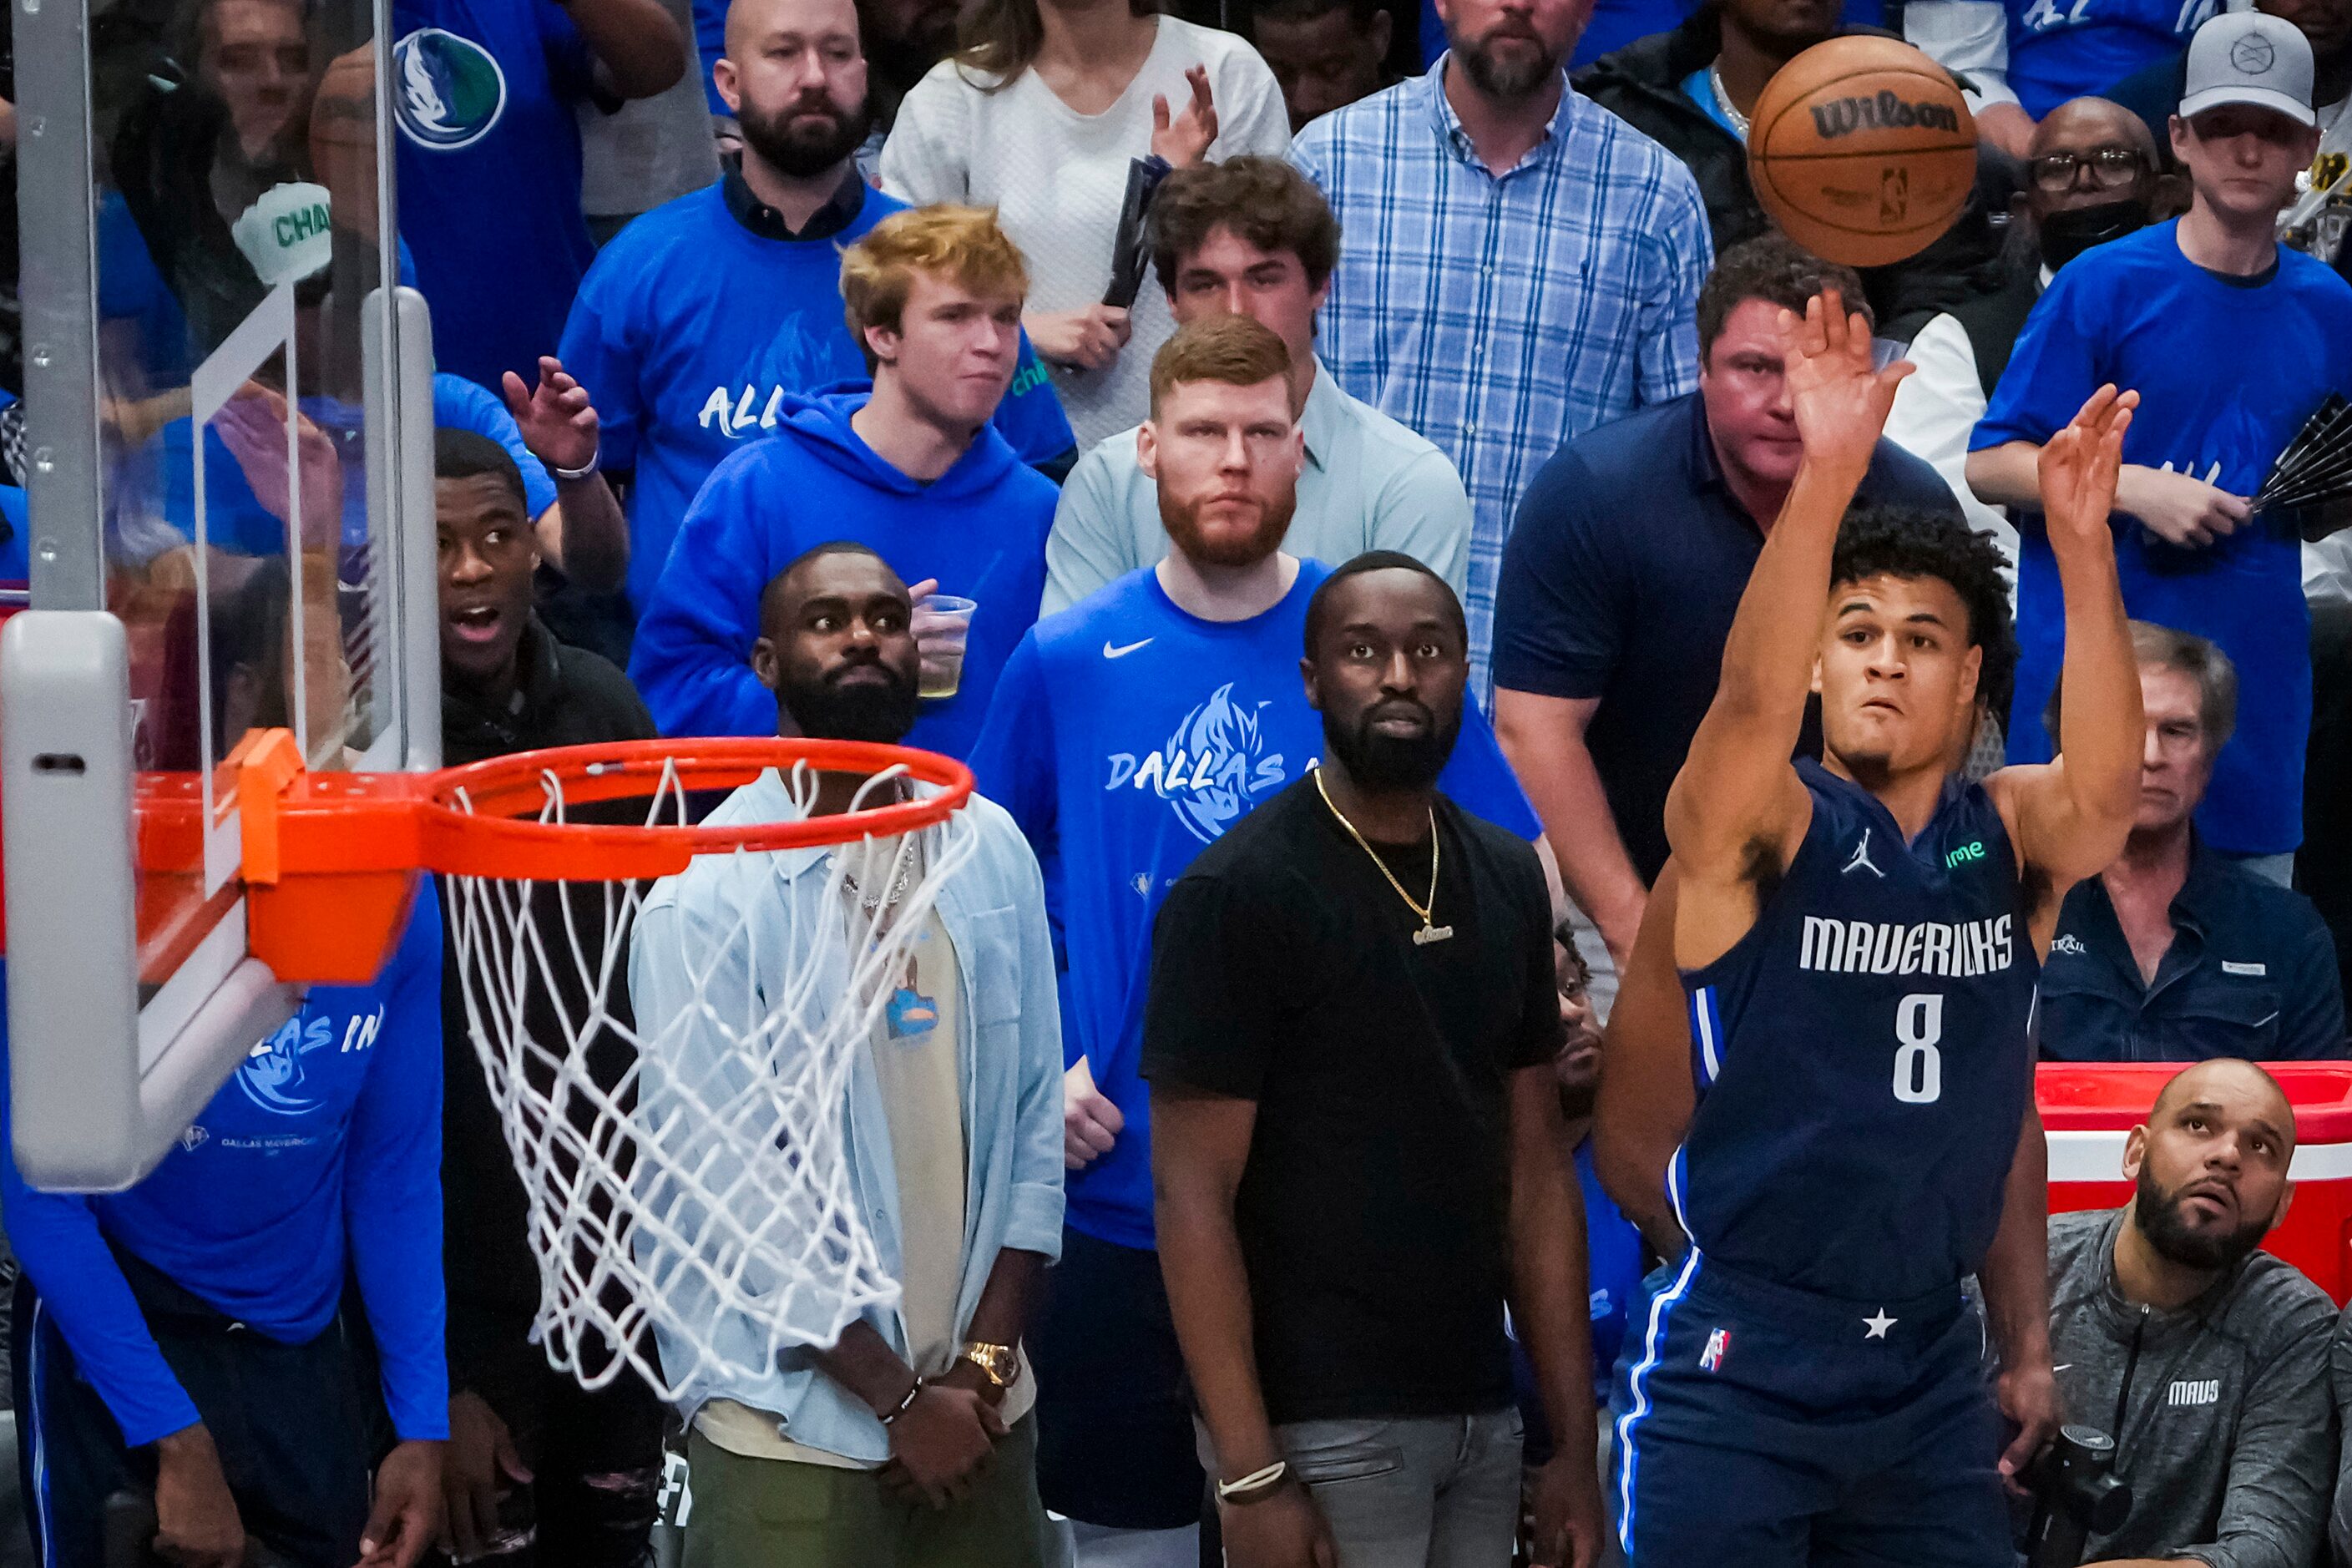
(997, 1361)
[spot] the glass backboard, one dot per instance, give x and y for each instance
(229, 414)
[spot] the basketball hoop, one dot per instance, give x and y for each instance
(686, 1174)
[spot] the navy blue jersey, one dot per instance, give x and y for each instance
(1862, 1054)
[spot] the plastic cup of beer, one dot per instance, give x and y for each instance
(941, 624)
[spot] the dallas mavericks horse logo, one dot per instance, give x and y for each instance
(1212, 769)
(273, 1076)
(448, 91)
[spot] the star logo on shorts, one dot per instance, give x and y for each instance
(1875, 1327)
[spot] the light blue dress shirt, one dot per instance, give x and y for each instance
(1502, 313)
(723, 942)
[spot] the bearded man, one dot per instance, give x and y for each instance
(2205, 1359)
(1127, 734)
(702, 316)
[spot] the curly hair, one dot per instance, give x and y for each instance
(1903, 542)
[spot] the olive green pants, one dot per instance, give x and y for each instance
(773, 1513)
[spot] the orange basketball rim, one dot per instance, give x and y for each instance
(330, 860)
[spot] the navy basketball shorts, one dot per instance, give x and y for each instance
(1774, 1428)
(1115, 1441)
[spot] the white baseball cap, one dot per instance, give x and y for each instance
(2246, 56)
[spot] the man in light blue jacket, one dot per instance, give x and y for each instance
(905, 1436)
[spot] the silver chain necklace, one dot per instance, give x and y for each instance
(1722, 100)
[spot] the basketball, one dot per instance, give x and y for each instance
(1862, 150)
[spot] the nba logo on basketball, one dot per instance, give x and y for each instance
(1719, 1345)
(1893, 194)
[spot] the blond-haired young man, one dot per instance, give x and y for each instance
(910, 467)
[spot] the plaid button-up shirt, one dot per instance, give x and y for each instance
(1501, 315)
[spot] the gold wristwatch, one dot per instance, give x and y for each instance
(999, 1363)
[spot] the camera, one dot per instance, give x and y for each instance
(2076, 1494)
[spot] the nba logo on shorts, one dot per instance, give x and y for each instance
(1718, 1344)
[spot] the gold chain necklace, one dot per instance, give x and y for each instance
(1428, 933)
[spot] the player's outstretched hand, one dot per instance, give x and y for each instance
(2028, 1395)
(1285, 1531)
(1841, 402)
(1566, 1498)
(407, 1513)
(2078, 467)
(559, 424)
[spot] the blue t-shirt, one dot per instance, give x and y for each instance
(2227, 370)
(1613, 1278)
(691, 330)
(485, 94)
(2060, 49)
(1126, 736)
(320, 1157)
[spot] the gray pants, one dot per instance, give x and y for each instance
(1423, 1492)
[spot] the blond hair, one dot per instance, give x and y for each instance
(1234, 350)
(965, 244)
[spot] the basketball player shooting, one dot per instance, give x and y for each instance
(1850, 1130)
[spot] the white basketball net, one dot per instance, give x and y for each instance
(688, 1174)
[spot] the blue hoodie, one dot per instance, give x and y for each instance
(980, 528)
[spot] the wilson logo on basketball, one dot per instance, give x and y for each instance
(1883, 111)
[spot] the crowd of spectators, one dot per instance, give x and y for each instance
(802, 369)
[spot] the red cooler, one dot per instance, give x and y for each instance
(2087, 1111)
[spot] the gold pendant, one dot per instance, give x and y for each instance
(1429, 933)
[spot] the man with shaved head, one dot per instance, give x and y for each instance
(2204, 1358)
(2091, 174)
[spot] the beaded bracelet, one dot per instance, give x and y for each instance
(906, 1403)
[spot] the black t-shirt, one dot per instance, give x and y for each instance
(565, 697)
(1373, 1213)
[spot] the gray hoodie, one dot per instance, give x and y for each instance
(2228, 1432)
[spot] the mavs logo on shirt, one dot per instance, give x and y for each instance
(275, 1076)
(447, 92)
(1213, 770)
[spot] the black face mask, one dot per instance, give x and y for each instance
(2066, 233)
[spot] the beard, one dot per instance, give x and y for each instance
(799, 152)
(1195, 542)
(1508, 80)
(2158, 1214)
(1382, 761)
(828, 708)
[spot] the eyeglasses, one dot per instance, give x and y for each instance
(2110, 167)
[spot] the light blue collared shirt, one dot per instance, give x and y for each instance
(720, 947)
(1503, 312)
(1368, 483)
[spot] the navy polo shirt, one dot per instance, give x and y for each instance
(1619, 581)
(2250, 974)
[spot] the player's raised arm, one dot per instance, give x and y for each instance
(2070, 818)
(1737, 788)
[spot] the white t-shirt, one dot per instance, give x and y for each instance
(1058, 178)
